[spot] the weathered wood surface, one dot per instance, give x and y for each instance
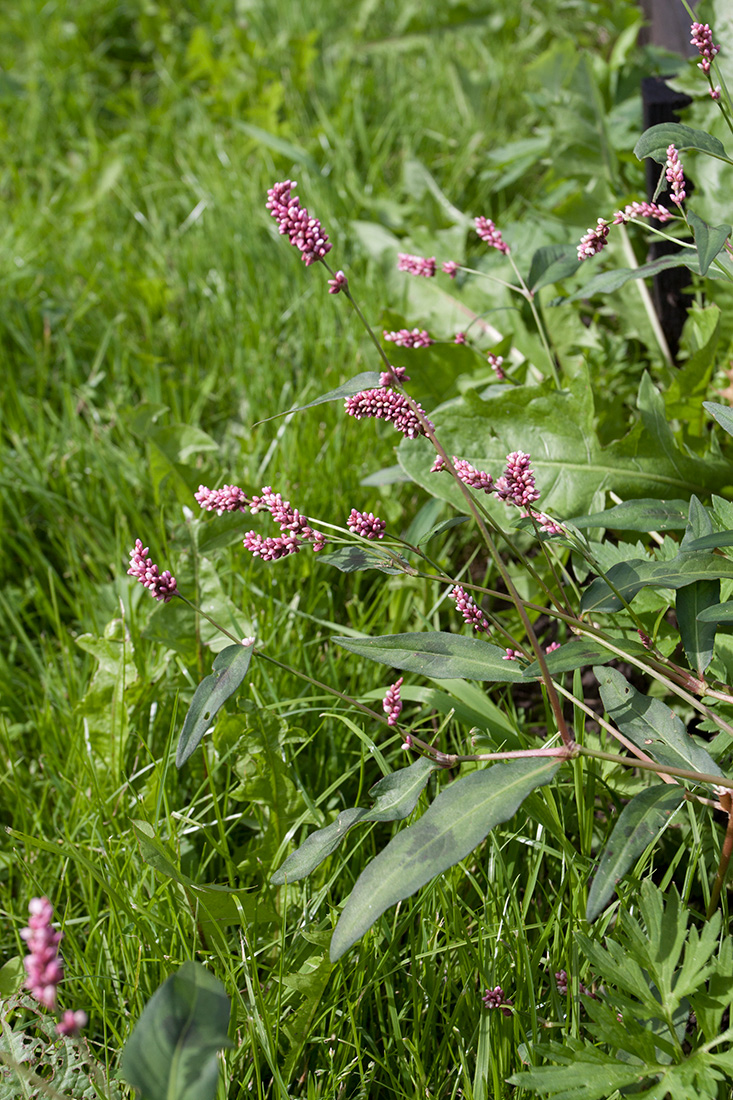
(668, 25)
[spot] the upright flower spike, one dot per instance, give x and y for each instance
(593, 241)
(470, 610)
(44, 969)
(675, 176)
(304, 232)
(392, 704)
(366, 524)
(488, 233)
(404, 338)
(162, 586)
(517, 484)
(702, 38)
(416, 265)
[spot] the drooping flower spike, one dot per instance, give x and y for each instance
(469, 475)
(416, 265)
(642, 210)
(162, 586)
(304, 232)
(702, 38)
(488, 233)
(405, 338)
(470, 610)
(295, 528)
(388, 405)
(593, 241)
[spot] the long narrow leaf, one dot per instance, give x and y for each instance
(698, 636)
(641, 821)
(438, 654)
(230, 668)
(629, 577)
(458, 820)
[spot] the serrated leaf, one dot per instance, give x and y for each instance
(458, 820)
(630, 577)
(173, 1048)
(367, 380)
(641, 821)
(651, 725)
(710, 240)
(722, 414)
(437, 654)
(647, 514)
(396, 797)
(354, 559)
(550, 263)
(655, 141)
(229, 669)
(697, 635)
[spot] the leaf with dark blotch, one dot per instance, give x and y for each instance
(651, 725)
(551, 263)
(629, 577)
(395, 797)
(230, 667)
(655, 141)
(458, 820)
(367, 380)
(173, 1048)
(698, 636)
(440, 655)
(710, 240)
(641, 821)
(647, 514)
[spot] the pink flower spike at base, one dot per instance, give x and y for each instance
(304, 232)
(230, 498)
(71, 1023)
(392, 704)
(416, 265)
(488, 233)
(593, 241)
(516, 485)
(338, 283)
(675, 176)
(162, 586)
(366, 524)
(44, 968)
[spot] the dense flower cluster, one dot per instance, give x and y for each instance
(593, 241)
(675, 176)
(366, 524)
(161, 585)
(470, 610)
(517, 485)
(488, 232)
(392, 704)
(304, 232)
(450, 268)
(459, 338)
(44, 969)
(230, 498)
(416, 265)
(496, 363)
(494, 998)
(702, 38)
(296, 531)
(404, 338)
(386, 404)
(338, 283)
(469, 475)
(394, 375)
(642, 210)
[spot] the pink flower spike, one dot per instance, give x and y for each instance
(517, 485)
(162, 586)
(675, 176)
(561, 981)
(304, 232)
(338, 283)
(496, 362)
(438, 466)
(366, 524)
(416, 265)
(488, 232)
(494, 998)
(392, 704)
(469, 475)
(511, 655)
(552, 647)
(593, 241)
(470, 610)
(404, 338)
(459, 338)
(393, 376)
(702, 38)
(388, 405)
(230, 498)
(450, 268)
(71, 1023)
(44, 968)
(642, 210)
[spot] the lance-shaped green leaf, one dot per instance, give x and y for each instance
(629, 577)
(367, 380)
(698, 636)
(722, 414)
(230, 668)
(640, 823)
(718, 613)
(714, 541)
(609, 281)
(651, 725)
(440, 655)
(577, 653)
(354, 559)
(655, 141)
(172, 1051)
(395, 798)
(551, 263)
(647, 514)
(458, 820)
(710, 240)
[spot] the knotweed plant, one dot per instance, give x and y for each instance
(583, 613)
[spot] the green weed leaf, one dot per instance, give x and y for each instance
(458, 820)
(697, 634)
(718, 613)
(722, 414)
(172, 1051)
(609, 281)
(551, 263)
(230, 667)
(710, 240)
(655, 141)
(629, 577)
(577, 653)
(367, 380)
(640, 823)
(437, 654)
(354, 559)
(651, 725)
(647, 514)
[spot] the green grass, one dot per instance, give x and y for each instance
(145, 294)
